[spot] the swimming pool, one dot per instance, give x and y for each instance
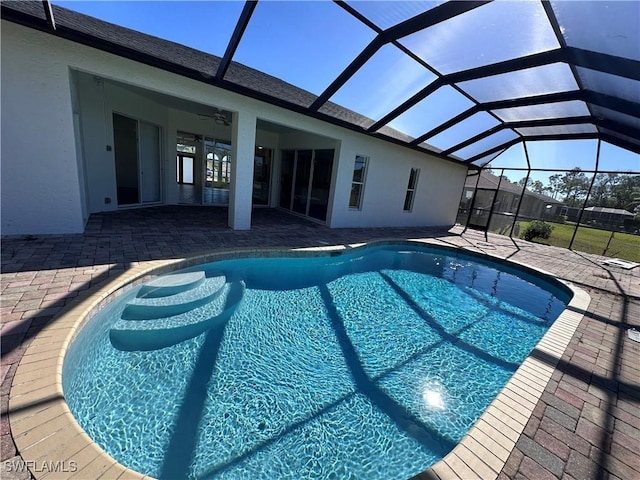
(370, 364)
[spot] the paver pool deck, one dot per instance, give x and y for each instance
(572, 411)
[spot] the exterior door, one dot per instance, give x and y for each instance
(305, 181)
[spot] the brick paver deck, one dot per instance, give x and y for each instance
(586, 424)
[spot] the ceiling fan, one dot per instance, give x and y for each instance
(218, 117)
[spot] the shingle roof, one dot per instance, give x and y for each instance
(614, 211)
(490, 181)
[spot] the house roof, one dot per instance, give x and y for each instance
(490, 181)
(612, 211)
(572, 73)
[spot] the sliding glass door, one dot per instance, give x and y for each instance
(305, 181)
(301, 182)
(261, 176)
(320, 184)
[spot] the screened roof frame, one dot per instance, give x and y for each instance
(572, 56)
(605, 110)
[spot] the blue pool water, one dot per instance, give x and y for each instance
(372, 364)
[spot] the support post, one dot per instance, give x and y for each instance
(241, 187)
(524, 189)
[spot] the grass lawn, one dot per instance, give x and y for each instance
(592, 240)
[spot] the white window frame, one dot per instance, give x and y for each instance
(411, 190)
(365, 160)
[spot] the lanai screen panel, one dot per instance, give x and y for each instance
(433, 110)
(609, 27)
(474, 125)
(163, 19)
(486, 143)
(302, 43)
(388, 14)
(482, 37)
(574, 108)
(388, 79)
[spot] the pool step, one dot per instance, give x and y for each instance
(171, 284)
(153, 334)
(150, 307)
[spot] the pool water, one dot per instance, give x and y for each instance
(372, 364)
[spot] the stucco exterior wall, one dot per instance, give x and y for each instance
(36, 92)
(436, 197)
(39, 171)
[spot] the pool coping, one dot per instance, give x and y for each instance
(53, 445)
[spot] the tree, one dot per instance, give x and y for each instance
(601, 194)
(554, 185)
(538, 187)
(626, 193)
(522, 180)
(574, 185)
(615, 190)
(535, 186)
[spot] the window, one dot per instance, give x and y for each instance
(357, 184)
(411, 189)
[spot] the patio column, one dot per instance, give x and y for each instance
(243, 141)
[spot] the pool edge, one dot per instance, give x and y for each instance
(46, 434)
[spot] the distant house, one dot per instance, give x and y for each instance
(494, 199)
(609, 218)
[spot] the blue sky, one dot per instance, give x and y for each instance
(308, 43)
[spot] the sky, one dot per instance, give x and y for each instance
(309, 43)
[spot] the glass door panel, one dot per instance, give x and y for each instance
(261, 176)
(125, 140)
(150, 162)
(286, 178)
(321, 184)
(187, 170)
(301, 184)
(218, 172)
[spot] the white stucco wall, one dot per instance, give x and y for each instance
(436, 197)
(36, 73)
(39, 171)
